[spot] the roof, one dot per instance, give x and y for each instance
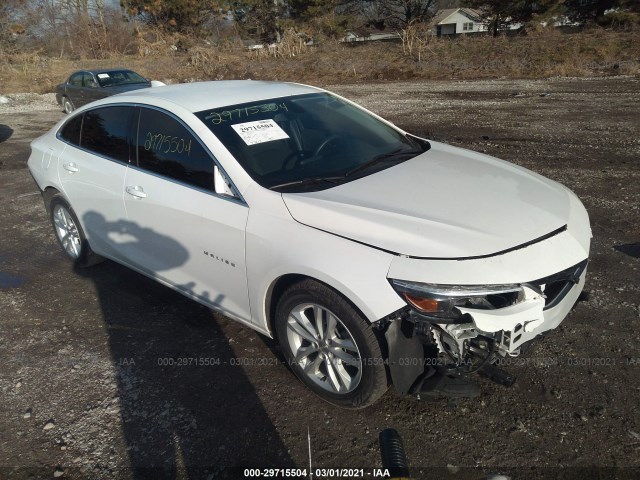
(199, 96)
(442, 15)
(95, 71)
(370, 35)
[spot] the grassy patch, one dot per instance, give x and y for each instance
(547, 53)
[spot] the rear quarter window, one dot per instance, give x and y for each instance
(105, 131)
(70, 132)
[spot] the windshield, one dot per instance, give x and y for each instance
(308, 142)
(119, 77)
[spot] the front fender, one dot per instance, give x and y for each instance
(277, 245)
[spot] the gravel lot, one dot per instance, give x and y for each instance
(83, 394)
(27, 102)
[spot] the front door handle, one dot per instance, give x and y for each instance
(71, 167)
(137, 191)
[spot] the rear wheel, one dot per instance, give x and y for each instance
(67, 105)
(70, 234)
(330, 346)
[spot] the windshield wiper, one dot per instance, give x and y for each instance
(307, 181)
(395, 155)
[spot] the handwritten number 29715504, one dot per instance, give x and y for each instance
(167, 144)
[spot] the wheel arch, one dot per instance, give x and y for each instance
(282, 283)
(277, 290)
(86, 257)
(47, 194)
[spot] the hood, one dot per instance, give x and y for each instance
(445, 203)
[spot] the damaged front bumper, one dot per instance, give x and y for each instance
(547, 302)
(420, 346)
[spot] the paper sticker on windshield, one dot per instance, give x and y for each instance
(103, 75)
(259, 132)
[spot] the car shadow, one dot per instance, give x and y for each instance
(187, 409)
(631, 249)
(5, 132)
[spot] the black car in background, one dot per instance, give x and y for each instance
(85, 86)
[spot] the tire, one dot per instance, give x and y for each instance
(67, 106)
(69, 233)
(343, 364)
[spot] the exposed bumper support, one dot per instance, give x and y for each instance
(414, 342)
(406, 355)
(520, 323)
(524, 317)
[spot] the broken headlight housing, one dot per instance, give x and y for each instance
(440, 301)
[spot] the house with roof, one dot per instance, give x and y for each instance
(370, 36)
(456, 21)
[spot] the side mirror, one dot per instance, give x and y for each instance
(222, 186)
(93, 84)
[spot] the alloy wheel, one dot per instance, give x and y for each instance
(67, 231)
(323, 348)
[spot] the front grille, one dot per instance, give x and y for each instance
(557, 286)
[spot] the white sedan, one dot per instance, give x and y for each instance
(371, 255)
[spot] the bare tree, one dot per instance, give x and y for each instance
(402, 13)
(178, 15)
(396, 14)
(261, 19)
(590, 11)
(443, 4)
(10, 13)
(499, 14)
(78, 28)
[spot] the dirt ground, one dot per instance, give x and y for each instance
(85, 394)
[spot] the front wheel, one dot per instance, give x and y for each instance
(330, 346)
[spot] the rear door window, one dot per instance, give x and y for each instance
(105, 131)
(166, 147)
(87, 80)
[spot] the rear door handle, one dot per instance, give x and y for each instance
(71, 167)
(137, 191)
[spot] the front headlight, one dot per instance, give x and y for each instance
(440, 301)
